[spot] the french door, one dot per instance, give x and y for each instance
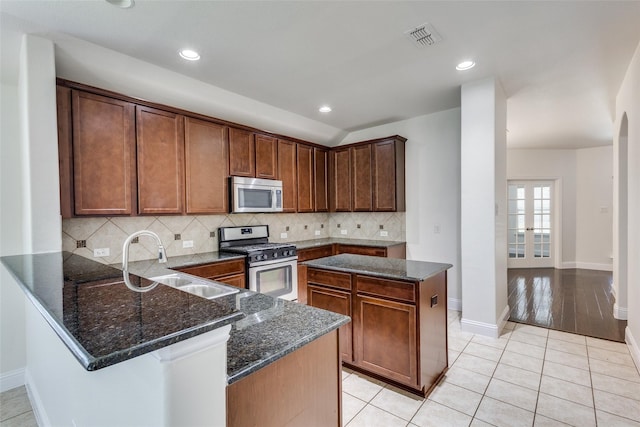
(530, 224)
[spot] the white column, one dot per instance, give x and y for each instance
(39, 137)
(483, 208)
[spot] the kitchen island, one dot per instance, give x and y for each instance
(399, 312)
(162, 357)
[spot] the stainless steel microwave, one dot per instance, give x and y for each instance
(255, 195)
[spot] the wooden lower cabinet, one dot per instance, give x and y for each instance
(338, 302)
(381, 325)
(299, 390)
(231, 272)
(398, 331)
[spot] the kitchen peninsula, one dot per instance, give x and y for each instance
(166, 357)
(395, 304)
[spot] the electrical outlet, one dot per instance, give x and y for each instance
(317, 232)
(384, 233)
(283, 235)
(101, 252)
(187, 243)
(343, 232)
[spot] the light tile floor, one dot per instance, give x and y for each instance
(529, 376)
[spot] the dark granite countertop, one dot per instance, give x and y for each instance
(103, 322)
(390, 268)
(306, 244)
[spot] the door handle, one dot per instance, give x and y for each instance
(529, 228)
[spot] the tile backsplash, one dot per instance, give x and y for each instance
(110, 232)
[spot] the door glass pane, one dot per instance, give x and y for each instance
(542, 221)
(516, 220)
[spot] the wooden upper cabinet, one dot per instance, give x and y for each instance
(287, 174)
(388, 175)
(266, 157)
(103, 154)
(362, 181)
(341, 180)
(242, 160)
(305, 178)
(206, 167)
(160, 161)
(321, 176)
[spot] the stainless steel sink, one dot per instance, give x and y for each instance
(195, 285)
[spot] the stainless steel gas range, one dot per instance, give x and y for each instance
(271, 268)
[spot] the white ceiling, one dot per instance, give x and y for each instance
(560, 63)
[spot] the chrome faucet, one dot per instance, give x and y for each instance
(162, 255)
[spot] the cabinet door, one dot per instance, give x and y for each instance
(305, 178)
(380, 325)
(241, 153)
(206, 167)
(362, 182)
(341, 180)
(320, 189)
(103, 155)
(65, 149)
(266, 157)
(337, 302)
(384, 176)
(160, 148)
(287, 174)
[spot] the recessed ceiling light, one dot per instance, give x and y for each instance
(124, 4)
(189, 55)
(465, 65)
(325, 109)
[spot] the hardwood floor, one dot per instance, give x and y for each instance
(571, 300)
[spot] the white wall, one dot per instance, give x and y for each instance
(12, 347)
(483, 208)
(628, 102)
(432, 170)
(557, 165)
(594, 210)
(585, 180)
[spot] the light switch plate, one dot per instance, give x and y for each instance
(283, 235)
(343, 232)
(101, 252)
(187, 243)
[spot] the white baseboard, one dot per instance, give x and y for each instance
(36, 401)
(486, 329)
(11, 379)
(587, 266)
(619, 313)
(633, 347)
(454, 304)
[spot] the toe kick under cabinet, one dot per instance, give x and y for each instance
(398, 331)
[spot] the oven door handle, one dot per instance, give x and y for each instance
(273, 261)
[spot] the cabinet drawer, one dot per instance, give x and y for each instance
(218, 269)
(236, 280)
(329, 278)
(404, 291)
(362, 250)
(315, 253)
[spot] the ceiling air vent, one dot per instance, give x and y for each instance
(423, 35)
